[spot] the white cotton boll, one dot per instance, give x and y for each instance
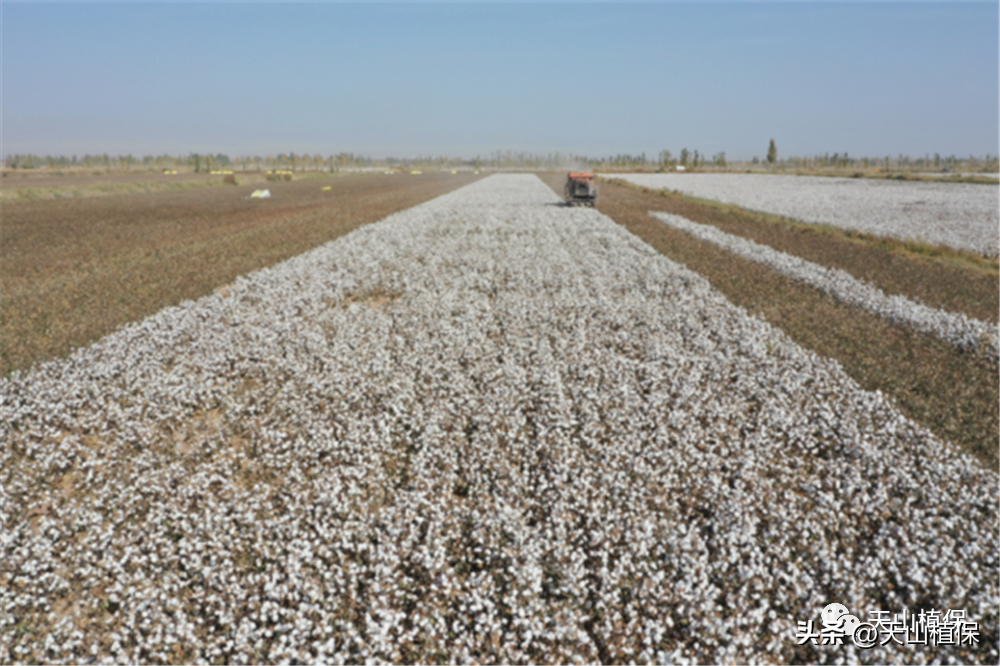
(482, 423)
(954, 328)
(960, 215)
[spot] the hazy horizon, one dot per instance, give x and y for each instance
(460, 80)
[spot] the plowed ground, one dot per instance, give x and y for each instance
(73, 270)
(15, 179)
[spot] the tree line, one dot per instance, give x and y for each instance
(197, 162)
(666, 160)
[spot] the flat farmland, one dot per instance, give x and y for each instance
(17, 186)
(75, 269)
(487, 428)
(49, 180)
(959, 215)
(949, 390)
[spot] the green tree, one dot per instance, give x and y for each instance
(772, 152)
(685, 157)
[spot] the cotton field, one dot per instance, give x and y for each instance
(959, 215)
(487, 429)
(956, 329)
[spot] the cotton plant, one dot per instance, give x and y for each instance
(486, 429)
(959, 215)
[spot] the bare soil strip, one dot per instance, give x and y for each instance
(76, 269)
(956, 329)
(952, 393)
(487, 429)
(928, 216)
(17, 195)
(940, 277)
(16, 179)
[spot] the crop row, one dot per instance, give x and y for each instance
(963, 216)
(488, 428)
(954, 328)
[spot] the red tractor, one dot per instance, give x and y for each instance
(580, 189)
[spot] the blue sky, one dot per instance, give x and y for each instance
(461, 79)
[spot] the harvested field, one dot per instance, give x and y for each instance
(74, 270)
(488, 428)
(959, 215)
(43, 179)
(950, 280)
(18, 187)
(957, 329)
(955, 395)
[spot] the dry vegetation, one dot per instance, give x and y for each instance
(20, 187)
(939, 276)
(953, 215)
(953, 394)
(487, 429)
(73, 270)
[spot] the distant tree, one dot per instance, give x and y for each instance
(685, 157)
(772, 152)
(196, 160)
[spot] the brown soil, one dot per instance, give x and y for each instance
(73, 270)
(939, 282)
(955, 395)
(15, 179)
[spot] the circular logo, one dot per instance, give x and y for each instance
(832, 614)
(849, 624)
